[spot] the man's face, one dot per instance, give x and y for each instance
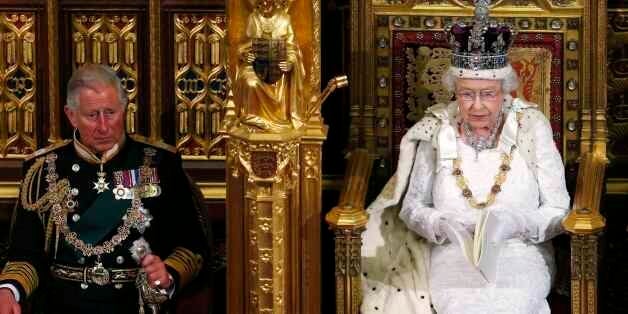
(480, 101)
(99, 117)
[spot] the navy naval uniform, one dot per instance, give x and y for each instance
(67, 183)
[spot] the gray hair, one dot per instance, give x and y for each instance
(93, 76)
(510, 82)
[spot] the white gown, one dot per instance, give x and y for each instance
(534, 188)
(524, 269)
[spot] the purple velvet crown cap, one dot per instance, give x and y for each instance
(495, 39)
(480, 44)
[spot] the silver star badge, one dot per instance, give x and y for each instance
(101, 185)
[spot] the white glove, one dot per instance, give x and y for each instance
(448, 221)
(508, 225)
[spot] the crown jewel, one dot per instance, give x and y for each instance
(481, 44)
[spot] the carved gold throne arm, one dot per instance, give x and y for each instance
(348, 220)
(584, 222)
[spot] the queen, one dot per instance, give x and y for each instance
(484, 154)
(269, 81)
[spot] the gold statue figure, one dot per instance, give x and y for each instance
(270, 75)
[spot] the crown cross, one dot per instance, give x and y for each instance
(480, 25)
(480, 44)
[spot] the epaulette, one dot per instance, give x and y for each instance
(47, 149)
(162, 145)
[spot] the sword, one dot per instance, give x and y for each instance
(148, 295)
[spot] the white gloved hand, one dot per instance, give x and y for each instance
(508, 225)
(449, 222)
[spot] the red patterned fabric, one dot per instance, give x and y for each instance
(402, 40)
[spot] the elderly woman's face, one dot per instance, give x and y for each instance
(480, 102)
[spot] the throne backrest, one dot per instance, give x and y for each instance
(420, 58)
(532, 64)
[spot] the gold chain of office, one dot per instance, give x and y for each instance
(500, 178)
(59, 193)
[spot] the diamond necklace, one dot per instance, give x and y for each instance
(478, 142)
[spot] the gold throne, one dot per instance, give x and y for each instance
(557, 62)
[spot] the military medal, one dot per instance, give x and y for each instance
(144, 181)
(102, 184)
(125, 182)
(120, 191)
(150, 180)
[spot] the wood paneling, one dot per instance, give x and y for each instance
(54, 63)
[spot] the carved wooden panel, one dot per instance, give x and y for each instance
(617, 116)
(403, 79)
(199, 82)
(613, 273)
(18, 77)
(110, 39)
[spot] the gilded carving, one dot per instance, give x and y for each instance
(348, 243)
(110, 39)
(563, 3)
(266, 230)
(340, 302)
(315, 73)
(272, 120)
(28, 47)
(200, 82)
(591, 297)
(340, 253)
(269, 84)
(18, 74)
(575, 296)
(264, 164)
(355, 257)
(233, 160)
(312, 162)
(584, 272)
(577, 244)
(260, 158)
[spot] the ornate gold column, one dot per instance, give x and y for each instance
(274, 143)
(348, 220)
(585, 222)
(263, 200)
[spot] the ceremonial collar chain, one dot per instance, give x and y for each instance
(500, 178)
(136, 217)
